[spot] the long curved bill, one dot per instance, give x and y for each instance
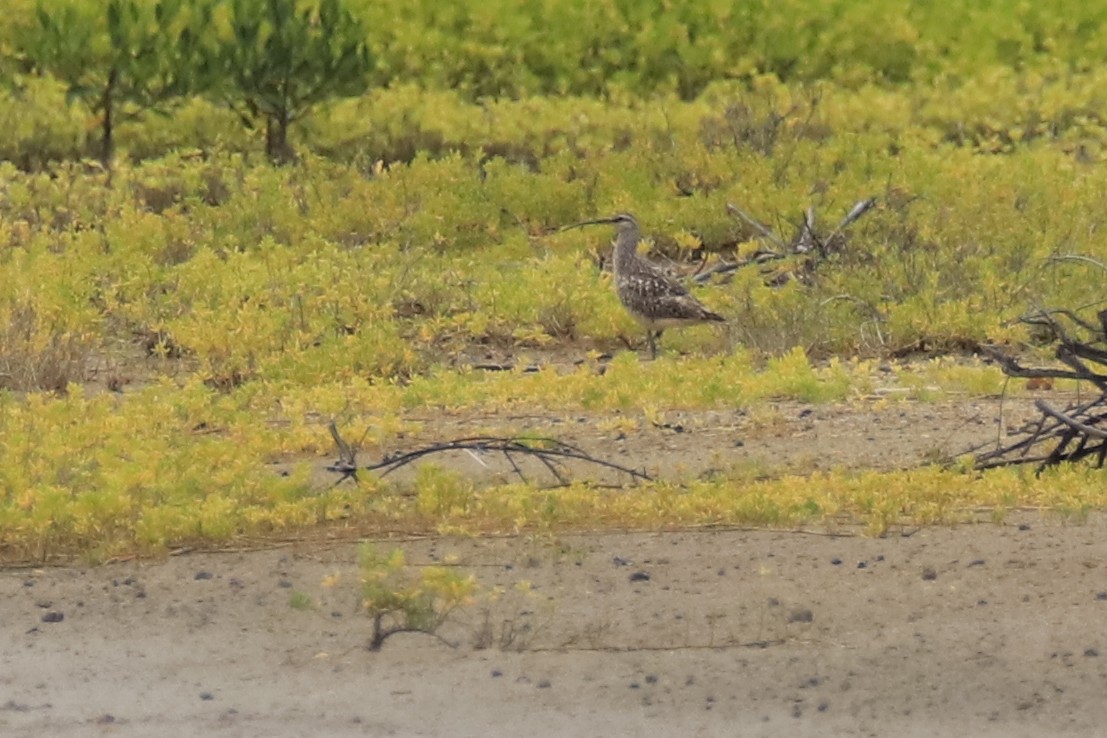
(597, 221)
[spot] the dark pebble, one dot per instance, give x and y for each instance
(823, 707)
(202, 575)
(619, 561)
(497, 673)
(836, 561)
(862, 564)
(207, 696)
(544, 684)
(1024, 526)
(929, 574)
(976, 562)
(53, 616)
(1091, 652)
(1101, 595)
(284, 584)
(640, 576)
(106, 719)
(802, 615)
(44, 604)
(634, 685)
(651, 679)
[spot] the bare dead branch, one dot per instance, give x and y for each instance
(1076, 425)
(1012, 368)
(550, 452)
(381, 634)
(807, 244)
(757, 226)
(860, 208)
(1086, 325)
(855, 213)
(723, 267)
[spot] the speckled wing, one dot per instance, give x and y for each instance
(657, 299)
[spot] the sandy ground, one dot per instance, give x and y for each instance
(979, 630)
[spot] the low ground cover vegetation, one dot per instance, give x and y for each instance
(179, 313)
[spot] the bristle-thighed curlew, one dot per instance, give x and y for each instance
(655, 299)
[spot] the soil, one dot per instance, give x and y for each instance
(977, 630)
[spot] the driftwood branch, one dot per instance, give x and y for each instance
(550, 452)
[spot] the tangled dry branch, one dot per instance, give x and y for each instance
(1077, 432)
(807, 243)
(549, 451)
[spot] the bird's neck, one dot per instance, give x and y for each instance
(626, 251)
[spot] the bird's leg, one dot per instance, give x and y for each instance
(654, 337)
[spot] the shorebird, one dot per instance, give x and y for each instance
(655, 299)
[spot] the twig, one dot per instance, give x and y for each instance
(723, 267)
(380, 635)
(548, 451)
(1091, 328)
(347, 457)
(572, 648)
(1079, 258)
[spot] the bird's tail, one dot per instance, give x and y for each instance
(708, 315)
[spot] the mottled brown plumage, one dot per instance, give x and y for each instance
(655, 299)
